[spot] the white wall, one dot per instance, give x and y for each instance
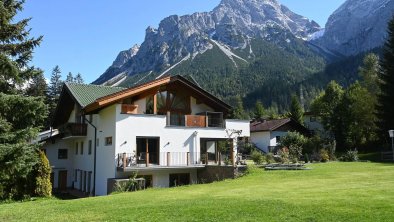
(161, 177)
(261, 140)
(141, 105)
(60, 164)
(106, 154)
(198, 108)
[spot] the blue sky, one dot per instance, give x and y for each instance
(85, 36)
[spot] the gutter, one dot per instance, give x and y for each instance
(95, 156)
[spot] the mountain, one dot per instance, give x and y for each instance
(357, 26)
(228, 29)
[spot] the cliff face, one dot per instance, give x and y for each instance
(357, 26)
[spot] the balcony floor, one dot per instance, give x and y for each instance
(158, 167)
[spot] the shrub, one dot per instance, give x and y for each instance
(324, 155)
(257, 157)
(284, 155)
(269, 158)
(294, 141)
(43, 186)
(129, 185)
(350, 156)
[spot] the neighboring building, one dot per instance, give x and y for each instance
(167, 130)
(266, 134)
(312, 122)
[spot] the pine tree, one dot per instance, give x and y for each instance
(78, 79)
(239, 112)
(296, 111)
(259, 111)
(16, 48)
(385, 107)
(37, 86)
(69, 77)
(54, 90)
(369, 73)
(21, 116)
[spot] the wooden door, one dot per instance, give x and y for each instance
(62, 180)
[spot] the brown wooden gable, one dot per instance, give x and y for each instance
(172, 84)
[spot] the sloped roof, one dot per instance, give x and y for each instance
(283, 125)
(109, 99)
(87, 94)
(268, 125)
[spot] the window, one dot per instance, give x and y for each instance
(75, 175)
(90, 147)
(277, 139)
(97, 142)
(76, 148)
(149, 105)
(179, 179)
(108, 141)
(81, 148)
(62, 154)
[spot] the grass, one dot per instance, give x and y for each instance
(329, 192)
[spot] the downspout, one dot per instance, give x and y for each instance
(95, 151)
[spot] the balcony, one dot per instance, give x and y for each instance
(200, 120)
(70, 130)
(167, 160)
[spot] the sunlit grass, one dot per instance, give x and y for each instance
(328, 192)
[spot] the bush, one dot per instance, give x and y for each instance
(294, 141)
(350, 156)
(284, 155)
(43, 186)
(257, 157)
(129, 185)
(269, 158)
(324, 155)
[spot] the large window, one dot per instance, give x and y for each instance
(62, 154)
(149, 105)
(179, 179)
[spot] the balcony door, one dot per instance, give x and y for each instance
(150, 146)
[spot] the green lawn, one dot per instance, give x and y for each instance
(329, 192)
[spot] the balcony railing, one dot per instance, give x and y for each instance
(200, 120)
(169, 159)
(73, 129)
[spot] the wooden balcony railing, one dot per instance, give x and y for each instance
(195, 121)
(73, 129)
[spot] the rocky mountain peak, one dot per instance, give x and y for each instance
(357, 26)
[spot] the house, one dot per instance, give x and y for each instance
(266, 134)
(313, 123)
(169, 131)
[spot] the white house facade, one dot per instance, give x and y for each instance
(165, 131)
(266, 134)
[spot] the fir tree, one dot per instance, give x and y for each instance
(16, 48)
(385, 106)
(54, 90)
(21, 116)
(78, 79)
(239, 112)
(296, 111)
(37, 86)
(369, 73)
(259, 111)
(69, 77)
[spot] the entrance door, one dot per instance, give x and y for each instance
(148, 145)
(62, 180)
